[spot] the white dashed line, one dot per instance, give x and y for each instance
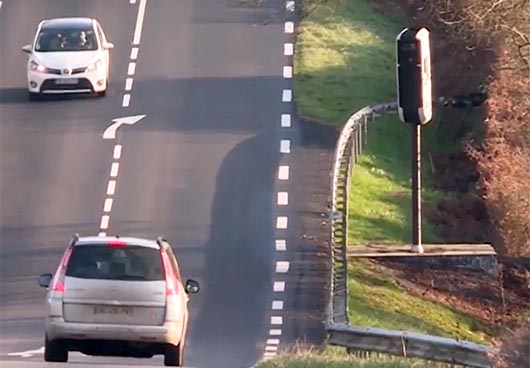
(288, 72)
(134, 53)
(275, 332)
(279, 286)
(277, 305)
(290, 5)
(283, 198)
(276, 320)
(132, 1)
(114, 169)
(139, 22)
(281, 222)
(289, 27)
(117, 152)
(128, 84)
(1, 5)
(102, 234)
(273, 342)
(286, 120)
(271, 348)
(126, 100)
(132, 68)
(288, 49)
(104, 222)
(108, 205)
(281, 245)
(283, 172)
(287, 95)
(285, 146)
(111, 188)
(282, 267)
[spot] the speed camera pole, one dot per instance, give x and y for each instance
(415, 158)
(414, 91)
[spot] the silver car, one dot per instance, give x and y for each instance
(117, 296)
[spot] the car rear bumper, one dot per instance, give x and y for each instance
(169, 332)
(87, 82)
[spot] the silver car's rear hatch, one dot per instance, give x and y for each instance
(115, 284)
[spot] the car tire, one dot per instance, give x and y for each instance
(174, 355)
(32, 96)
(55, 351)
(102, 93)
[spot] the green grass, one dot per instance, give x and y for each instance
(333, 357)
(376, 300)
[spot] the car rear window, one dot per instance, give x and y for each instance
(101, 261)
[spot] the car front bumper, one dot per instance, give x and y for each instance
(87, 82)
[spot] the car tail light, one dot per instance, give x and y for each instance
(117, 244)
(58, 280)
(171, 278)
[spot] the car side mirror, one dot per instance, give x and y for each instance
(27, 48)
(45, 280)
(108, 45)
(192, 287)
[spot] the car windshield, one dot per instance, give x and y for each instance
(60, 40)
(101, 261)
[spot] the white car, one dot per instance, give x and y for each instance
(115, 296)
(68, 55)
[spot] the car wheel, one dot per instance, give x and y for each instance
(102, 93)
(32, 96)
(55, 351)
(174, 355)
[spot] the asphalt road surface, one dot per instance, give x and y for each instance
(200, 168)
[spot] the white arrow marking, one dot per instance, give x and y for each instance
(28, 353)
(110, 132)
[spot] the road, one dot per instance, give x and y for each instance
(200, 168)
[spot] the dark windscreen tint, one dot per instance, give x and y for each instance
(60, 40)
(108, 263)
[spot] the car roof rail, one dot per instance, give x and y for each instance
(75, 239)
(161, 241)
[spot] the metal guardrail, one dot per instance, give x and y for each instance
(350, 144)
(358, 339)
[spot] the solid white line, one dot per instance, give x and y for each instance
(281, 222)
(117, 152)
(102, 234)
(126, 100)
(114, 169)
(279, 286)
(27, 353)
(271, 348)
(1, 5)
(273, 342)
(139, 22)
(282, 266)
(111, 188)
(286, 120)
(104, 222)
(128, 84)
(289, 27)
(288, 72)
(132, 68)
(276, 320)
(275, 332)
(277, 304)
(134, 53)
(285, 146)
(287, 95)
(108, 205)
(288, 49)
(281, 245)
(283, 198)
(283, 172)
(290, 5)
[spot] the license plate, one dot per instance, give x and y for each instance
(67, 81)
(107, 309)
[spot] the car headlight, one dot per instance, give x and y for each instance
(36, 67)
(95, 66)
